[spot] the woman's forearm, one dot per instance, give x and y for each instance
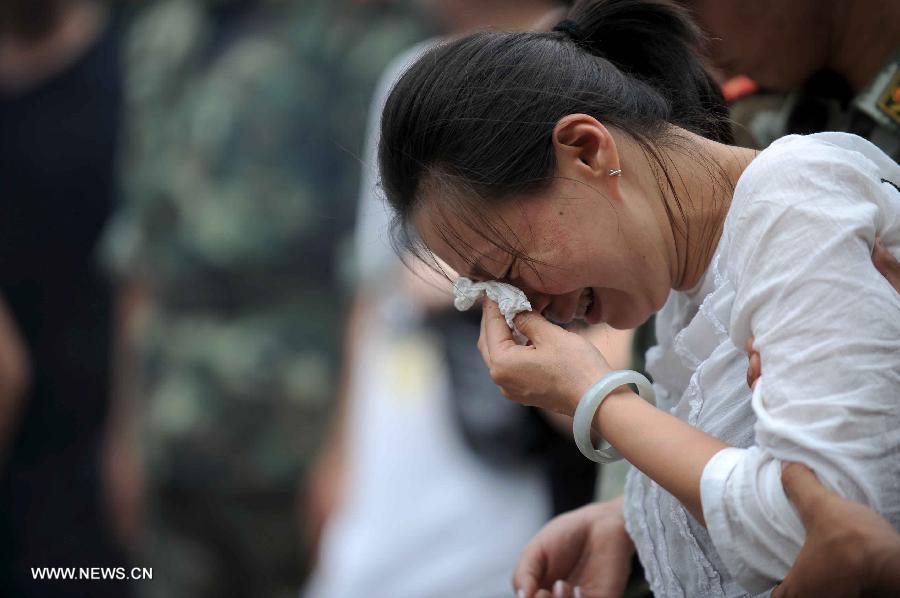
(669, 451)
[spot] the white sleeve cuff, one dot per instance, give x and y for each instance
(755, 529)
(750, 552)
(713, 484)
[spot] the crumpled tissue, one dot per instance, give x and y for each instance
(512, 301)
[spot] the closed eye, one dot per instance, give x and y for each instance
(508, 274)
(479, 274)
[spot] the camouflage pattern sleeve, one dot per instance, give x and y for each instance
(244, 126)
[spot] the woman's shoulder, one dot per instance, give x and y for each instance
(804, 189)
(815, 173)
(796, 163)
(802, 226)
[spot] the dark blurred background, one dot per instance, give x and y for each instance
(212, 365)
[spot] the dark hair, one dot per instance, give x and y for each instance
(474, 117)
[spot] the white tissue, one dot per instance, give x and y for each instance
(512, 301)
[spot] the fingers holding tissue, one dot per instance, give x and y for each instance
(511, 300)
(552, 372)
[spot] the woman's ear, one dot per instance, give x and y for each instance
(585, 149)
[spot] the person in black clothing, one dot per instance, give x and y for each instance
(59, 104)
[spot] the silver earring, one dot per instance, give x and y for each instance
(616, 172)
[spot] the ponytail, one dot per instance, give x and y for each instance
(656, 42)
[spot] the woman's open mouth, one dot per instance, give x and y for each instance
(593, 313)
(585, 303)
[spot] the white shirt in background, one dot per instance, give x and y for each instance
(423, 517)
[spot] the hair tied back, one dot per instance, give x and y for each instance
(571, 30)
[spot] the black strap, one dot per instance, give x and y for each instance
(891, 184)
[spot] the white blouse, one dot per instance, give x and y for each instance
(793, 268)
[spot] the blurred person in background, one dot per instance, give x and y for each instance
(243, 121)
(431, 482)
(60, 95)
(834, 64)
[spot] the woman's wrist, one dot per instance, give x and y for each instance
(617, 506)
(617, 381)
(614, 401)
(587, 381)
(619, 503)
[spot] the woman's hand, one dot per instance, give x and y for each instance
(887, 264)
(553, 372)
(320, 493)
(754, 368)
(849, 550)
(15, 376)
(587, 549)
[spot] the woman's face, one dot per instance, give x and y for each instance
(593, 245)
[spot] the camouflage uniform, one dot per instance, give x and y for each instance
(827, 104)
(239, 178)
